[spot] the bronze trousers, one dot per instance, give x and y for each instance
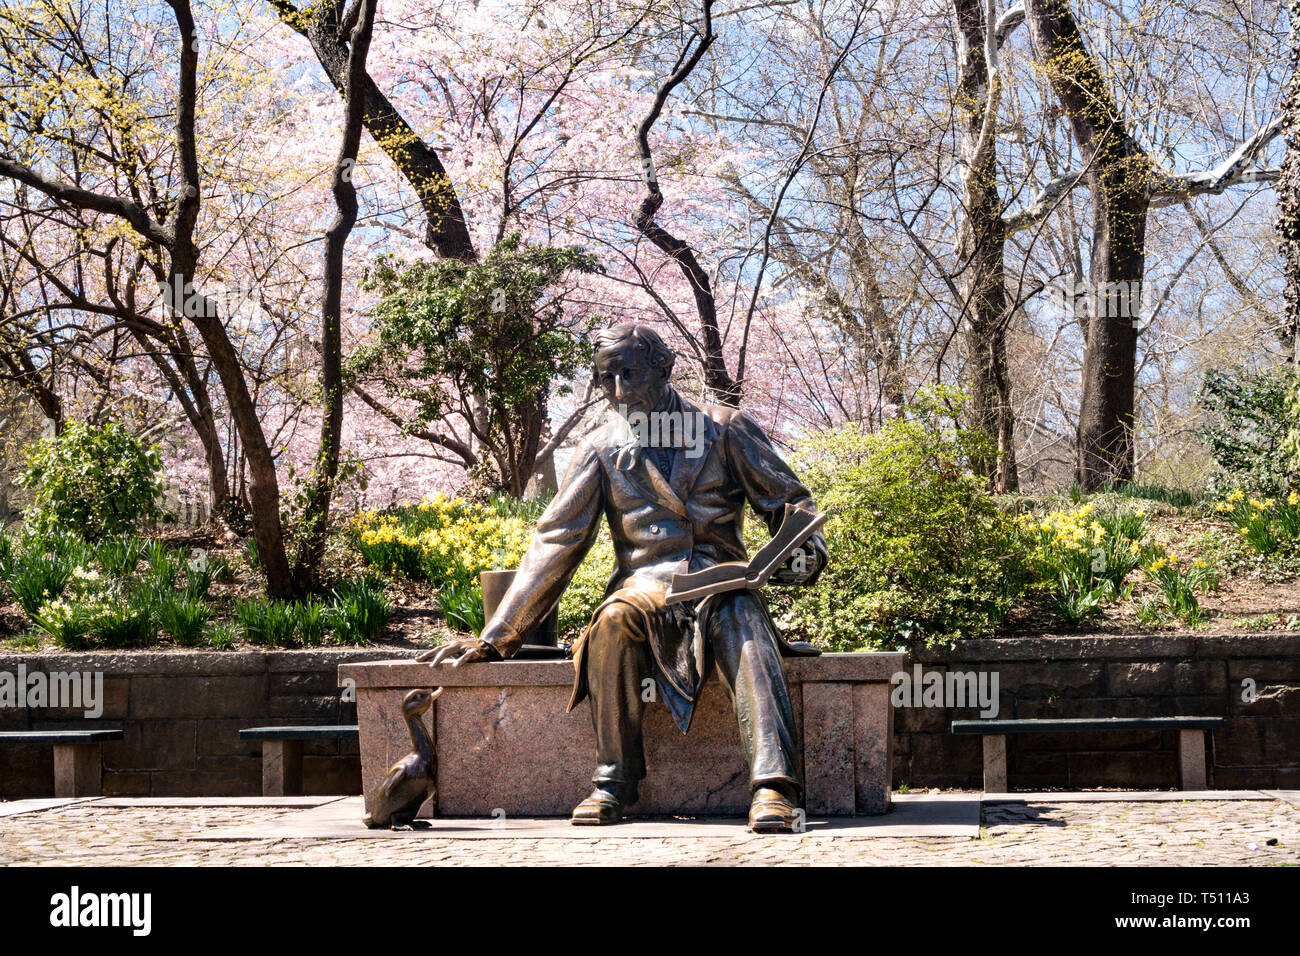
(620, 671)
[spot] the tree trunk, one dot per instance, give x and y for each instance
(1119, 177)
(544, 481)
(315, 517)
(532, 423)
(1106, 413)
(981, 242)
(192, 394)
(1288, 190)
(24, 373)
(263, 484)
(726, 390)
(445, 228)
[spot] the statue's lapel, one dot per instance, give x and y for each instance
(702, 432)
(632, 462)
(663, 490)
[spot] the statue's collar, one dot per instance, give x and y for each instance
(698, 432)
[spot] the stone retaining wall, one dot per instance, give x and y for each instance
(1258, 745)
(182, 713)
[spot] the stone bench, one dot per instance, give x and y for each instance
(78, 757)
(1191, 741)
(504, 742)
(282, 753)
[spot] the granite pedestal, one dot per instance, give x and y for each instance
(504, 742)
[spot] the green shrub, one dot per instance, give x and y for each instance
(387, 548)
(359, 611)
(222, 637)
(120, 556)
(498, 329)
(1085, 557)
(201, 570)
(462, 606)
(918, 549)
(1263, 523)
(183, 617)
(164, 567)
(67, 546)
(67, 622)
(440, 540)
(587, 589)
(527, 509)
(1246, 426)
(1153, 612)
(36, 577)
(266, 622)
(121, 620)
(99, 480)
(1178, 583)
(311, 622)
(6, 556)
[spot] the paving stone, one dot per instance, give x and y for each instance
(1101, 832)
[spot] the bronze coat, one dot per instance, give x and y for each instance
(688, 521)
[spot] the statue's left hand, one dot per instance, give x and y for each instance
(459, 651)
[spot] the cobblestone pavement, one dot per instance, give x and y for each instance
(1202, 833)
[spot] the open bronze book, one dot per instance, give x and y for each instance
(796, 527)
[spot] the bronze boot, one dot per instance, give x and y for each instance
(772, 811)
(605, 804)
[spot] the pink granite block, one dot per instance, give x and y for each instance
(511, 748)
(702, 772)
(873, 751)
(505, 743)
(828, 748)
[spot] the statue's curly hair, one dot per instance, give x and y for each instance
(647, 340)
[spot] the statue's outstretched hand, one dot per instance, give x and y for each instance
(460, 651)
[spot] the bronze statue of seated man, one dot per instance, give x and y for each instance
(672, 477)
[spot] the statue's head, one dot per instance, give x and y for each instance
(631, 366)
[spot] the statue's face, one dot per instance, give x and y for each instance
(628, 380)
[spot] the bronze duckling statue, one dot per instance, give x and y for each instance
(410, 781)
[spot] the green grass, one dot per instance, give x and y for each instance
(1177, 497)
(222, 637)
(311, 622)
(528, 509)
(462, 606)
(1174, 497)
(36, 577)
(359, 611)
(269, 623)
(164, 567)
(129, 623)
(183, 616)
(120, 556)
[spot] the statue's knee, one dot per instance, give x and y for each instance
(739, 609)
(739, 622)
(618, 621)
